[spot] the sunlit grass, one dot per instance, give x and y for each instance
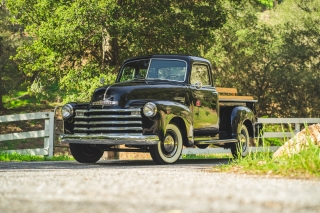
(7, 157)
(22, 99)
(205, 156)
(305, 164)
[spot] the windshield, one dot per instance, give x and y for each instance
(163, 69)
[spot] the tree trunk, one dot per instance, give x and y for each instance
(110, 45)
(110, 50)
(1, 102)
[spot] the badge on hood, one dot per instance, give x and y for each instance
(106, 102)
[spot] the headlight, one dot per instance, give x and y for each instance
(149, 109)
(67, 111)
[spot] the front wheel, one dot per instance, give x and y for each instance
(241, 148)
(202, 146)
(85, 153)
(169, 150)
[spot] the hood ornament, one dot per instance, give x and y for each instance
(107, 101)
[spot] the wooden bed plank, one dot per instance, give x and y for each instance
(221, 97)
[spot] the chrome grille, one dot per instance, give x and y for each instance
(108, 121)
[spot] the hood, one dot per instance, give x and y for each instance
(138, 92)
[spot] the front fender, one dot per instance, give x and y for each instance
(168, 110)
(239, 115)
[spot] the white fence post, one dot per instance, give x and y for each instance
(49, 126)
(297, 128)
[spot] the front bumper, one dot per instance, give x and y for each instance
(111, 139)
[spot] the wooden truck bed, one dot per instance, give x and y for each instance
(230, 95)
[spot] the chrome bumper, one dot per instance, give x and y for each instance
(111, 139)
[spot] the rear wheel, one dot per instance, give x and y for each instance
(241, 148)
(85, 153)
(169, 150)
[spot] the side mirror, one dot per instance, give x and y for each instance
(198, 85)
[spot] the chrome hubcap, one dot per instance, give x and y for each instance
(243, 141)
(169, 145)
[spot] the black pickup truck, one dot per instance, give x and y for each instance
(159, 104)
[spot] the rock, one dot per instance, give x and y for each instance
(303, 139)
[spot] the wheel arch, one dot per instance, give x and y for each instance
(183, 129)
(177, 113)
(249, 126)
(242, 116)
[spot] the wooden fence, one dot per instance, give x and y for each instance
(48, 133)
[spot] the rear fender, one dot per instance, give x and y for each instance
(239, 116)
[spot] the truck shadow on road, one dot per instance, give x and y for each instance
(109, 164)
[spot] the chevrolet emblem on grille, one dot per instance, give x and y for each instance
(105, 103)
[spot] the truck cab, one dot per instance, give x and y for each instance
(159, 104)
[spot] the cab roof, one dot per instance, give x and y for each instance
(187, 58)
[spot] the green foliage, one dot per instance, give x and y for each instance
(273, 59)
(269, 54)
(68, 38)
(10, 38)
(80, 84)
(267, 3)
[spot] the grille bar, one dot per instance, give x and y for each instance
(94, 129)
(108, 116)
(110, 110)
(108, 121)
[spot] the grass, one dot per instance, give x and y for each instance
(205, 156)
(305, 164)
(7, 157)
(23, 100)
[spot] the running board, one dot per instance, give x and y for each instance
(126, 150)
(217, 142)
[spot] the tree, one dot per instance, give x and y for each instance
(273, 56)
(10, 37)
(76, 41)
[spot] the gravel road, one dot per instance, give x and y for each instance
(140, 186)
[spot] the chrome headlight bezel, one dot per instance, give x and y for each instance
(149, 109)
(67, 111)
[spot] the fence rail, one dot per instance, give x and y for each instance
(296, 121)
(47, 133)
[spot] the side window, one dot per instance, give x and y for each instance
(200, 73)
